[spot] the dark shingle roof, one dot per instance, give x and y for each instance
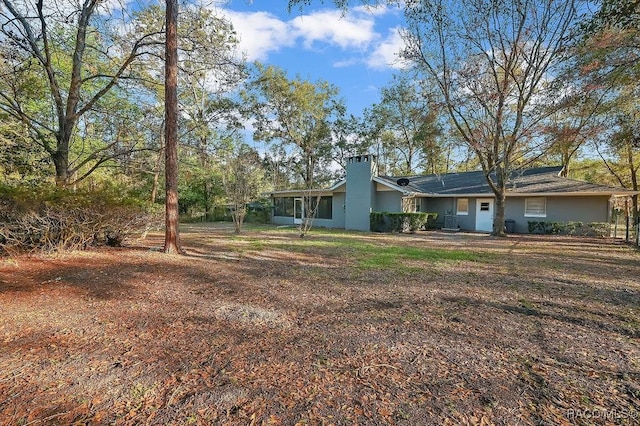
(529, 181)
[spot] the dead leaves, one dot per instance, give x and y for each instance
(278, 340)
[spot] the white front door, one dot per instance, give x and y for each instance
(298, 211)
(484, 214)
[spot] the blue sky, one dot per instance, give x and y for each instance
(357, 50)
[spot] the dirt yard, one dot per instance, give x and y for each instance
(336, 328)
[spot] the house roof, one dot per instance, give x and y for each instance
(538, 181)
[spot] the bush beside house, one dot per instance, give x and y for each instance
(594, 229)
(401, 222)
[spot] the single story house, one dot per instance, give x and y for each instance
(462, 200)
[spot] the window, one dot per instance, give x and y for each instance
(283, 206)
(325, 208)
(535, 207)
(485, 206)
(410, 205)
(462, 206)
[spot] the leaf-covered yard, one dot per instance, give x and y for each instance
(335, 328)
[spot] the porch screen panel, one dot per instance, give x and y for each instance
(325, 208)
(283, 206)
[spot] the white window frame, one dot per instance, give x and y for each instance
(527, 213)
(462, 212)
(411, 205)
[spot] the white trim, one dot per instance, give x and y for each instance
(390, 185)
(298, 220)
(299, 193)
(461, 212)
(337, 185)
(485, 218)
(413, 205)
(573, 194)
(534, 194)
(330, 191)
(536, 199)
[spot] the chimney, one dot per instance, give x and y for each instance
(360, 196)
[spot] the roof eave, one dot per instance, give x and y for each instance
(574, 194)
(393, 186)
(534, 194)
(337, 185)
(300, 192)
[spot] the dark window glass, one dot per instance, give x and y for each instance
(325, 208)
(283, 206)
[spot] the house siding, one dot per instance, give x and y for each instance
(281, 220)
(467, 222)
(560, 209)
(355, 197)
(338, 212)
(442, 206)
(388, 201)
(447, 206)
(337, 215)
(360, 192)
(324, 223)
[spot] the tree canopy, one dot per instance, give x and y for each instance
(490, 85)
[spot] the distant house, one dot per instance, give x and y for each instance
(462, 200)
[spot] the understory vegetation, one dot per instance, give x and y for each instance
(337, 328)
(593, 229)
(401, 222)
(47, 219)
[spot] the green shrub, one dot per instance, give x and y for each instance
(258, 212)
(377, 222)
(432, 218)
(52, 219)
(400, 222)
(599, 229)
(593, 229)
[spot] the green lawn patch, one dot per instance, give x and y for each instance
(371, 256)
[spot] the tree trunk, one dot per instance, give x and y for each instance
(60, 156)
(172, 236)
(61, 163)
(500, 191)
(498, 224)
(633, 169)
(566, 158)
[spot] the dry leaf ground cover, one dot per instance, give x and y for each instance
(336, 328)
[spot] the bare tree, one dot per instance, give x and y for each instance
(493, 62)
(242, 175)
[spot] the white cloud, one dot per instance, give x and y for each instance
(260, 33)
(346, 63)
(333, 27)
(387, 53)
(353, 32)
